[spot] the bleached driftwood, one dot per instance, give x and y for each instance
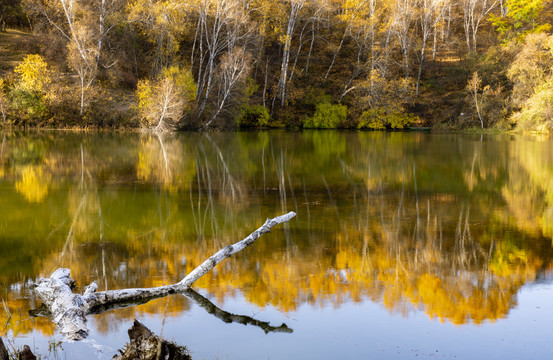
(69, 310)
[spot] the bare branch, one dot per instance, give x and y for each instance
(69, 310)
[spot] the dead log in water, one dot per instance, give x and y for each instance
(146, 345)
(3, 351)
(69, 310)
(23, 354)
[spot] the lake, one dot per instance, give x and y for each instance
(405, 244)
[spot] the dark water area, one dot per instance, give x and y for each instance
(404, 245)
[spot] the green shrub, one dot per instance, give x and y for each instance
(253, 116)
(27, 92)
(378, 118)
(327, 116)
(28, 105)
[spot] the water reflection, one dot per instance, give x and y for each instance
(446, 224)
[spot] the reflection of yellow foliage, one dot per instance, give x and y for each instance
(529, 192)
(33, 184)
(17, 320)
(388, 253)
(509, 260)
(375, 261)
(165, 162)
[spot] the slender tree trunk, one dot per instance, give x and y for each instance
(310, 47)
(372, 34)
(102, 20)
(82, 95)
(2, 109)
(337, 51)
(265, 82)
(295, 8)
(434, 44)
(449, 19)
(213, 38)
(284, 65)
(423, 49)
(300, 45)
(406, 58)
(387, 49)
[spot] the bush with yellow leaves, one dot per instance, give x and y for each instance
(163, 101)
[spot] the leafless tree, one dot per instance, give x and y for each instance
(295, 7)
(474, 12)
(233, 70)
(430, 13)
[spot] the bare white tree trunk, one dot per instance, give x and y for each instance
(214, 41)
(430, 15)
(403, 20)
(2, 109)
(69, 310)
(295, 8)
(474, 11)
(335, 55)
(234, 67)
(310, 47)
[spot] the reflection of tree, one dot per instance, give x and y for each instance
(529, 191)
(233, 318)
(2, 157)
(33, 183)
(14, 319)
(454, 236)
(163, 160)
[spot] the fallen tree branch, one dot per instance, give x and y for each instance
(69, 310)
(191, 294)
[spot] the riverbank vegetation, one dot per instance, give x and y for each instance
(366, 64)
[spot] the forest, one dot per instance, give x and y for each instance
(223, 64)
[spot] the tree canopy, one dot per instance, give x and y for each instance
(388, 64)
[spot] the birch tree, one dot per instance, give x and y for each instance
(163, 102)
(233, 70)
(85, 26)
(211, 26)
(474, 12)
(403, 19)
(474, 87)
(164, 25)
(362, 31)
(222, 25)
(349, 12)
(295, 7)
(3, 102)
(430, 14)
(309, 29)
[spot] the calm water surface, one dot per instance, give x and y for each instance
(405, 244)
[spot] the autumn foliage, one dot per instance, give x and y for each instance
(357, 64)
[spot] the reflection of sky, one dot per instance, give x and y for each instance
(352, 331)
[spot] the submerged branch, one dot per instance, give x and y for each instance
(232, 318)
